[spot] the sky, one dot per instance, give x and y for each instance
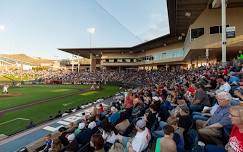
(38, 27)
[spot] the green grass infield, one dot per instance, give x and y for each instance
(15, 121)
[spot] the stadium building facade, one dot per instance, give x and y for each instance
(194, 39)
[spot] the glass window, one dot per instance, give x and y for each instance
(195, 33)
(214, 29)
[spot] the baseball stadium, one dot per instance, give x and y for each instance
(179, 92)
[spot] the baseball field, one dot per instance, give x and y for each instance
(38, 102)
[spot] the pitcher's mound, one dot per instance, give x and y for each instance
(10, 95)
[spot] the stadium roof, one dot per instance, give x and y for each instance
(181, 14)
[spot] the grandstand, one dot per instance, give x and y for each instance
(170, 94)
(194, 40)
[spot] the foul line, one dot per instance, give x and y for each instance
(14, 120)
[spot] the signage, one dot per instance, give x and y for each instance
(230, 32)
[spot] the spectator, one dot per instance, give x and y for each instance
(81, 126)
(235, 143)
(101, 108)
(117, 147)
(200, 100)
(141, 140)
(233, 78)
(57, 145)
(92, 126)
(178, 134)
(210, 130)
(48, 143)
(150, 118)
(184, 119)
(224, 86)
(206, 113)
(115, 115)
(128, 103)
(83, 137)
(94, 111)
(108, 134)
(236, 137)
(166, 143)
(138, 108)
(73, 144)
(239, 91)
(97, 142)
(71, 127)
(63, 136)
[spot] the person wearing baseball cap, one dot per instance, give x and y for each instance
(140, 141)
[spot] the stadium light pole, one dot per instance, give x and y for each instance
(224, 41)
(91, 31)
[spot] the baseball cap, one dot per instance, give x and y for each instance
(155, 98)
(81, 125)
(92, 125)
(71, 137)
(141, 123)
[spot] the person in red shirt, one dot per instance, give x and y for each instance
(191, 90)
(235, 143)
(225, 71)
(128, 103)
(101, 108)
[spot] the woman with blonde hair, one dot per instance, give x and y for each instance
(117, 147)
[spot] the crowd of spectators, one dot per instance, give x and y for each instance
(177, 110)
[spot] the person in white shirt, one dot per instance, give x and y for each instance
(5, 89)
(224, 86)
(108, 132)
(141, 140)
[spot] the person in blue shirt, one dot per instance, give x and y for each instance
(115, 115)
(48, 143)
(210, 131)
(233, 79)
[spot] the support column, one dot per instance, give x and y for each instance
(197, 62)
(78, 65)
(72, 65)
(223, 15)
(91, 62)
(166, 67)
(207, 55)
(92, 67)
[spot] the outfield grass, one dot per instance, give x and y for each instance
(41, 112)
(36, 93)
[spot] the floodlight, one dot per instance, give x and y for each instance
(188, 14)
(2, 27)
(91, 30)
